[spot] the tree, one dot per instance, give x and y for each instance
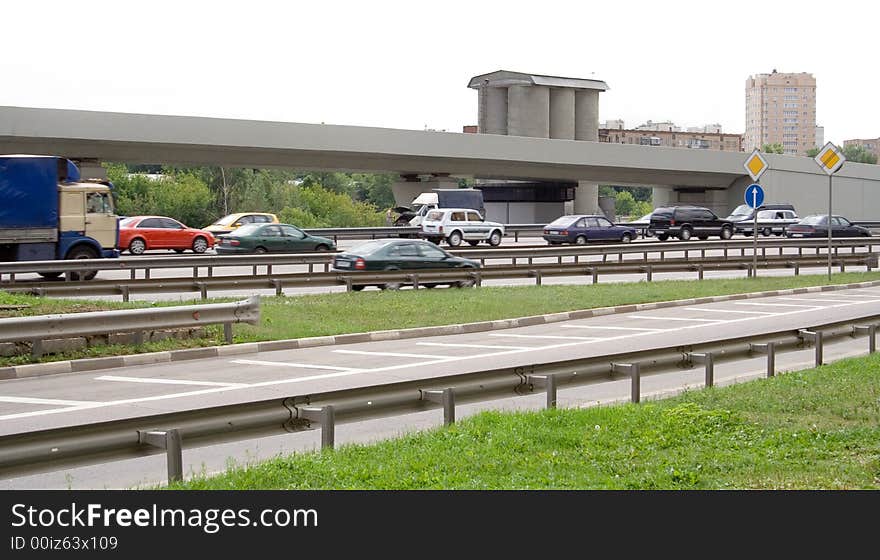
(858, 154)
(813, 152)
(775, 148)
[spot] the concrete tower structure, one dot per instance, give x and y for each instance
(518, 104)
(781, 108)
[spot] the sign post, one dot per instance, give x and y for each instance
(756, 165)
(830, 159)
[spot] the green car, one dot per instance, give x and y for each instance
(270, 238)
(401, 254)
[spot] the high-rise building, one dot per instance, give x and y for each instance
(781, 108)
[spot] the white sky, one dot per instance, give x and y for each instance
(406, 64)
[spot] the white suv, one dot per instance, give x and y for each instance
(460, 224)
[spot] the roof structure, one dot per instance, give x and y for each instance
(506, 78)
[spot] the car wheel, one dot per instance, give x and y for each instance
(454, 239)
(626, 238)
(82, 252)
(726, 233)
(662, 236)
(322, 248)
(685, 234)
(260, 250)
(581, 240)
(200, 245)
(766, 232)
(495, 238)
(469, 283)
(391, 285)
(137, 246)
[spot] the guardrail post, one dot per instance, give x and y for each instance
(797, 269)
(816, 338)
(649, 271)
(195, 272)
(708, 359)
(124, 291)
(146, 274)
(255, 270)
(227, 332)
(347, 284)
(549, 383)
(210, 272)
(478, 278)
(36, 348)
(770, 349)
(133, 274)
(872, 332)
(414, 278)
(326, 417)
(537, 277)
(203, 289)
(699, 272)
(138, 337)
(279, 290)
(445, 397)
(171, 442)
(516, 237)
(635, 378)
(594, 272)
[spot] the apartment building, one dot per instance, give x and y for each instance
(871, 145)
(694, 138)
(781, 108)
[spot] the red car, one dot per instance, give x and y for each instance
(139, 233)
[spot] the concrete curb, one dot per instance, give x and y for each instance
(89, 364)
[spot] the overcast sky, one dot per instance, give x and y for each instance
(406, 64)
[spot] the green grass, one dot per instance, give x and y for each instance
(813, 429)
(340, 313)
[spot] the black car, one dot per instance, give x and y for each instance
(817, 226)
(411, 255)
(685, 222)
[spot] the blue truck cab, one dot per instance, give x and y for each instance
(48, 212)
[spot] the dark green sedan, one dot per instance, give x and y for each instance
(410, 255)
(270, 238)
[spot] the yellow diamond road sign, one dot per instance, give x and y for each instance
(830, 158)
(756, 165)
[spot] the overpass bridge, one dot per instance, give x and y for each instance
(712, 178)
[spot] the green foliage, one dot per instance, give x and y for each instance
(183, 197)
(324, 208)
(813, 152)
(859, 154)
(775, 148)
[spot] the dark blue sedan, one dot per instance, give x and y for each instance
(580, 228)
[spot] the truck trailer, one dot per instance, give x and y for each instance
(48, 212)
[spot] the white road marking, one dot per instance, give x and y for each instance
(676, 319)
(822, 300)
(51, 402)
(390, 354)
(451, 345)
(731, 311)
(777, 304)
(609, 328)
(291, 364)
(553, 337)
(162, 381)
(381, 369)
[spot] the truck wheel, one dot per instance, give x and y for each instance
(137, 246)
(81, 252)
(495, 238)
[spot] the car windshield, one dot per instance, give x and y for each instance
(563, 221)
(225, 220)
(741, 210)
(813, 220)
(645, 218)
(247, 229)
(434, 216)
(369, 247)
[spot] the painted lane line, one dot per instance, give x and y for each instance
(50, 402)
(451, 345)
(777, 304)
(609, 328)
(845, 302)
(161, 381)
(379, 369)
(552, 337)
(390, 354)
(731, 311)
(676, 319)
(291, 364)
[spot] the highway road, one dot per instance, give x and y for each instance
(348, 244)
(71, 399)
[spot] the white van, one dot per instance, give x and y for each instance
(455, 225)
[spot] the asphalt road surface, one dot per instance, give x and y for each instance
(73, 399)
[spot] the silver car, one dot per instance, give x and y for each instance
(455, 225)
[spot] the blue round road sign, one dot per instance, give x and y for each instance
(754, 195)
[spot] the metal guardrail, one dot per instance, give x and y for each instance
(425, 277)
(168, 432)
(209, 263)
(69, 325)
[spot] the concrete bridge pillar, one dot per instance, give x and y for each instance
(586, 111)
(562, 113)
(493, 110)
(528, 111)
(586, 198)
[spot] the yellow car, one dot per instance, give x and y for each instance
(232, 222)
